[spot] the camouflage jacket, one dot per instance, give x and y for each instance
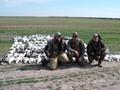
(54, 48)
(95, 48)
(76, 46)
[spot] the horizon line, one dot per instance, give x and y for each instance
(63, 17)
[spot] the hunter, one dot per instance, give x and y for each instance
(96, 49)
(76, 49)
(55, 51)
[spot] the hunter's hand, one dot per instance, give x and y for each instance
(77, 53)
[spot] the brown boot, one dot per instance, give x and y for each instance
(99, 65)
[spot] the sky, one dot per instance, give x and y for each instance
(73, 8)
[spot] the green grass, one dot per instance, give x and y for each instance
(108, 28)
(4, 46)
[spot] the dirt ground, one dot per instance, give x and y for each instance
(66, 77)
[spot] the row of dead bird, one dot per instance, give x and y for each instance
(30, 49)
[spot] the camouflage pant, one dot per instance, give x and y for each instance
(54, 61)
(99, 58)
(77, 58)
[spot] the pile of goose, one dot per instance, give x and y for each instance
(27, 49)
(30, 49)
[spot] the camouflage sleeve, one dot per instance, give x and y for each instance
(69, 47)
(82, 48)
(48, 47)
(65, 45)
(103, 48)
(89, 48)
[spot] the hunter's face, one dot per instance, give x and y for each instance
(74, 37)
(58, 38)
(95, 39)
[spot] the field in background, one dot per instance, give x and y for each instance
(13, 26)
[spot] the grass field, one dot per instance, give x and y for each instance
(13, 26)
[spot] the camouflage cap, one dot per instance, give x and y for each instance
(95, 35)
(75, 34)
(58, 34)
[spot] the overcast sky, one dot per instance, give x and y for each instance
(79, 8)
